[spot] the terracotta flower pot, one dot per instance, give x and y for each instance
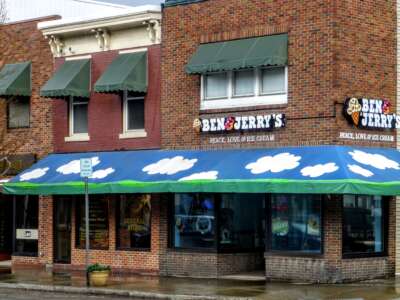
(99, 278)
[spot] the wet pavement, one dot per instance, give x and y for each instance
(7, 294)
(384, 289)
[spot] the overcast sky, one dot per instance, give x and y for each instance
(134, 2)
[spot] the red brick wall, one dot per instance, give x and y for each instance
(146, 261)
(330, 267)
(105, 112)
(21, 42)
(335, 51)
(45, 243)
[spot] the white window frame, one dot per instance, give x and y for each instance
(132, 133)
(75, 137)
(232, 101)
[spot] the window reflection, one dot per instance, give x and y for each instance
(194, 225)
(134, 221)
(241, 220)
(296, 223)
(362, 224)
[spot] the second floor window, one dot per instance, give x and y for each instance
(248, 87)
(78, 116)
(18, 112)
(133, 115)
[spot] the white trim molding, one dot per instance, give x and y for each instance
(80, 137)
(138, 27)
(133, 134)
(78, 57)
(133, 51)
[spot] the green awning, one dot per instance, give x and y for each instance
(71, 79)
(15, 79)
(240, 54)
(128, 72)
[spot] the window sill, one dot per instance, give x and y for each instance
(294, 254)
(22, 254)
(133, 134)
(77, 138)
(364, 255)
(18, 128)
(241, 102)
(144, 250)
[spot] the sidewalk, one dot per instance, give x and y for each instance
(137, 287)
(152, 287)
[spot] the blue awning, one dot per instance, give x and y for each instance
(316, 170)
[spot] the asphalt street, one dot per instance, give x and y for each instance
(11, 294)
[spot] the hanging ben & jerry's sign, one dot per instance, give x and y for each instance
(371, 113)
(239, 123)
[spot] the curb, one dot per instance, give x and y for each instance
(110, 292)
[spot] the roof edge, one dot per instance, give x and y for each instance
(133, 14)
(43, 19)
(170, 3)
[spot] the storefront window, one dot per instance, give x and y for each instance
(296, 223)
(194, 221)
(26, 225)
(227, 222)
(241, 221)
(134, 222)
(98, 218)
(363, 225)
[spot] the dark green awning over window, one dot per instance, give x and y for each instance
(239, 54)
(15, 79)
(127, 72)
(71, 79)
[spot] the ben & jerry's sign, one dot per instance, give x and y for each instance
(240, 123)
(371, 113)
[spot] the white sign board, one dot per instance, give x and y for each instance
(86, 167)
(27, 234)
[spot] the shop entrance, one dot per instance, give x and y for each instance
(6, 227)
(62, 230)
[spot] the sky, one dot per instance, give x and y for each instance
(134, 2)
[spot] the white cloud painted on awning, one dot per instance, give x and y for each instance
(274, 164)
(170, 166)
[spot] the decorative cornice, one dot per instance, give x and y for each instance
(56, 45)
(127, 20)
(103, 38)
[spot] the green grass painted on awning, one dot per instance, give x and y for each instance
(127, 72)
(273, 186)
(240, 54)
(71, 79)
(15, 79)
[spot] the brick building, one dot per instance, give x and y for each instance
(109, 103)
(26, 64)
(263, 112)
(334, 53)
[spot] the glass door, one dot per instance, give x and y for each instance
(62, 230)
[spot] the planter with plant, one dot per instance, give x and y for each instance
(98, 274)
